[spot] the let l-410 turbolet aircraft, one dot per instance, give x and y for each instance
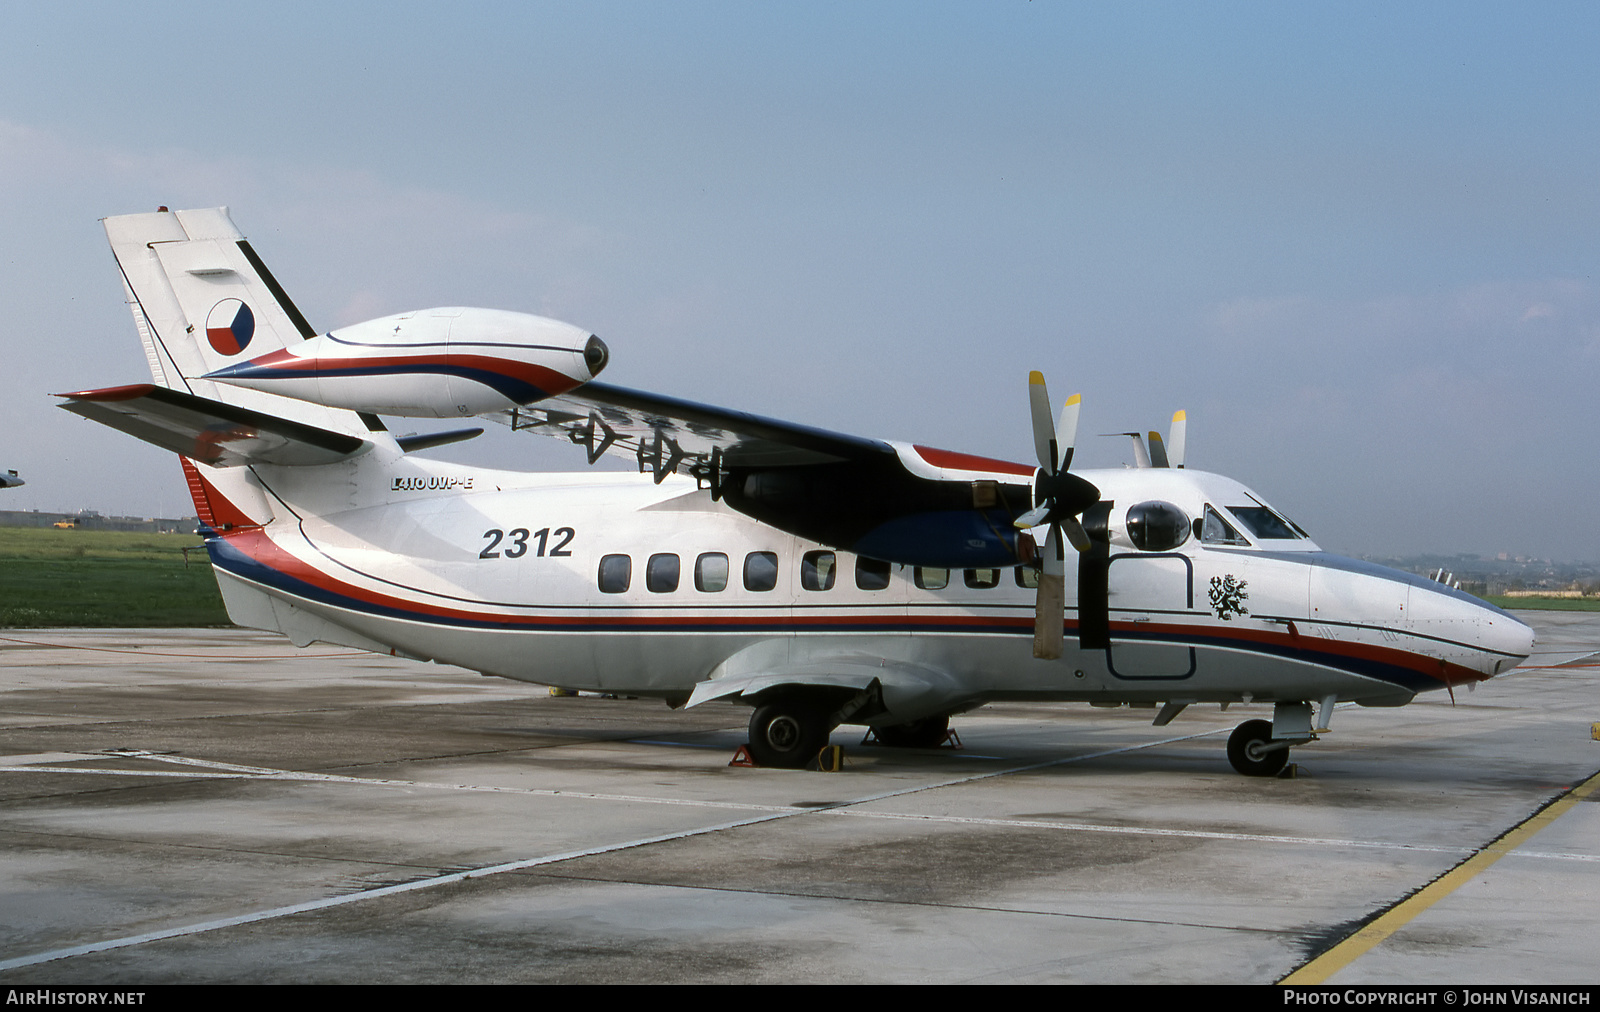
(821, 578)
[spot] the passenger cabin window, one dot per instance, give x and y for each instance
(1027, 577)
(931, 579)
(871, 574)
(711, 573)
(982, 579)
(1216, 531)
(616, 572)
(817, 570)
(761, 571)
(1264, 523)
(661, 574)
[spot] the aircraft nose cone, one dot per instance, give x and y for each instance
(1493, 640)
(1506, 640)
(1509, 635)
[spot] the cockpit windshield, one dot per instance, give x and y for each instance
(1265, 524)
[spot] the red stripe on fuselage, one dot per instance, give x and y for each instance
(258, 546)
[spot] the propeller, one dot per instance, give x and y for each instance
(1058, 498)
(1168, 454)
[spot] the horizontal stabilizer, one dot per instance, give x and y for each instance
(222, 435)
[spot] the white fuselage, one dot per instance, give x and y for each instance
(502, 572)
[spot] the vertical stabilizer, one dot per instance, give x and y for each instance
(202, 300)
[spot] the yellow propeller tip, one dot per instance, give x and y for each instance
(1179, 416)
(1036, 378)
(1074, 399)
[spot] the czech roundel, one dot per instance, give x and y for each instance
(230, 326)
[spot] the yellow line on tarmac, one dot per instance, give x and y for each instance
(1337, 958)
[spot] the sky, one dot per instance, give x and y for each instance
(1355, 242)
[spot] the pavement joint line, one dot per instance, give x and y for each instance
(848, 808)
(1403, 912)
(329, 902)
(158, 653)
(930, 904)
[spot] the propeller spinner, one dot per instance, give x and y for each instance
(1058, 498)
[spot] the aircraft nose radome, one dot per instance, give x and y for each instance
(1498, 640)
(1514, 637)
(1501, 632)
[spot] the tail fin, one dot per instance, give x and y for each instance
(202, 299)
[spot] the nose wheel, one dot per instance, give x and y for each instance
(1253, 752)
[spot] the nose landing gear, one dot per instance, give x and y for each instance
(1253, 752)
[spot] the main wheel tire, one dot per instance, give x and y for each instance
(786, 734)
(1247, 750)
(929, 732)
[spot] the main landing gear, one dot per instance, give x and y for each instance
(788, 733)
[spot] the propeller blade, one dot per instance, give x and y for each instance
(1044, 432)
(1052, 555)
(1032, 518)
(1076, 534)
(1049, 633)
(1050, 600)
(1067, 431)
(1158, 450)
(1179, 437)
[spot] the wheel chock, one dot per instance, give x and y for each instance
(742, 757)
(1594, 731)
(951, 740)
(1290, 771)
(830, 759)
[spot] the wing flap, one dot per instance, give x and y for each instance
(222, 435)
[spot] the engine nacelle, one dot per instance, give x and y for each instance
(433, 363)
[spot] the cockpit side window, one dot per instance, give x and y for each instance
(1216, 531)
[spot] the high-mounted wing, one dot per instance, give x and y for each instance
(666, 435)
(890, 501)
